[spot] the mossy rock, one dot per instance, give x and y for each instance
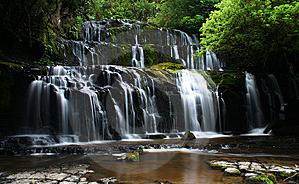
(133, 156)
(259, 180)
(169, 67)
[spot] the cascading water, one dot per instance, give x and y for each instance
(199, 104)
(104, 44)
(254, 111)
(138, 55)
(97, 101)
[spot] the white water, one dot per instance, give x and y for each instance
(254, 111)
(200, 110)
(138, 55)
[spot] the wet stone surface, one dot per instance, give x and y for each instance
(256, 172)
(63, 175)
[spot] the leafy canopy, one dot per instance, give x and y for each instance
(186, 15)
(253, 32)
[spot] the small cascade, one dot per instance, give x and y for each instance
(200, 109)
(138, 55)
(277, 103)
(221, 108)
(254, 110)
(212, 62)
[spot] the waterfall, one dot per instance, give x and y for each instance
(96, 100)
(200, 110)
(254, 110)
(212, 62)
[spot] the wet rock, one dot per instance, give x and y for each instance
(232, 172)
(73, 178)
(282, 172)
(188, 136)
(57, 176)
(244, 166)
(121, 156)
(221, 164)
(250, 174)
(83, 179)
(256, 167)
(110, 180)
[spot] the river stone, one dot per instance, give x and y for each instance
(72, 178)
(256, 167)
(221, 164)
(38, 176)
(232, 172)
(57, 176)
(250, 174)
(244, 166)
(83, 179)
(188, 136)
(110, 180)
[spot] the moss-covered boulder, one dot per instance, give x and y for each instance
(133, 156)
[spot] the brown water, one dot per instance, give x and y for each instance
(176, 167)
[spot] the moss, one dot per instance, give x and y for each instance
(150, 54)
(259, 180)
(169, 67)
(133, 156)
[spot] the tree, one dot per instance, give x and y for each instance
(253, 33)
(186, 15)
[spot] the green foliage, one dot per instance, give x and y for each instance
(186, 15)
(140, 10)
(250, 33)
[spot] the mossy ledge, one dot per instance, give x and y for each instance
(169, 67)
